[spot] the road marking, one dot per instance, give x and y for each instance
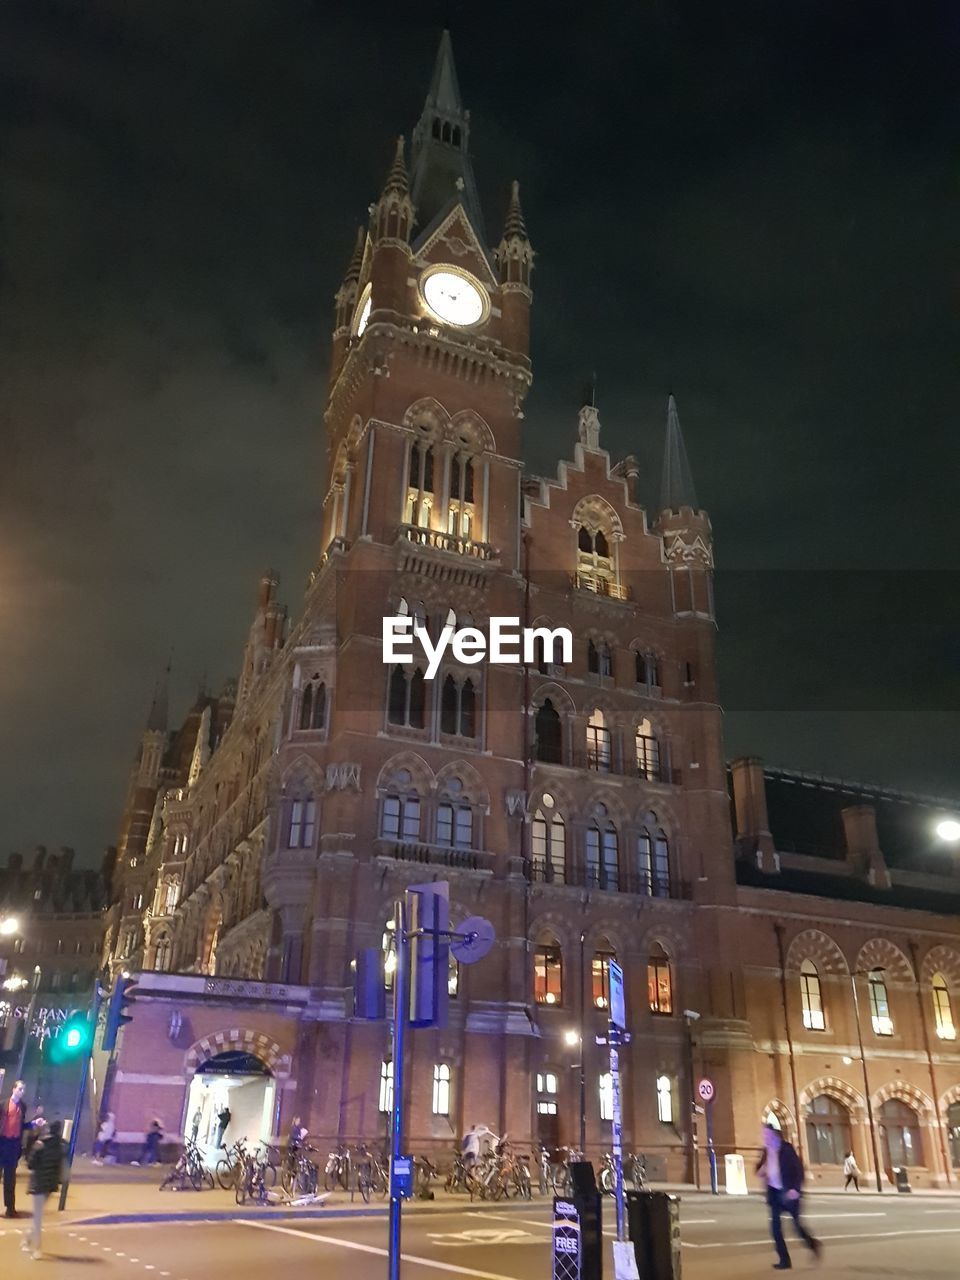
(821, 1217)
(698, 1222)
(484, 1235)
(449, 1267)
(950, 1211)
(872, 1235)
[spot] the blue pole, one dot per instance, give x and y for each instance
(400, 1002)
(711, 1153)
(613, 1039)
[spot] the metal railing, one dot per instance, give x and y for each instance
(438, 855)
(644, 884)
(655, 771)
(447, 542)
(600, 586)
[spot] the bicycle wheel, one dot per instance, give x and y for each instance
(344, 1175)
(561, 1180)
(207, 1177)
(606, 1182)
(226, 1174)
(241, 1191)
(331, 1175)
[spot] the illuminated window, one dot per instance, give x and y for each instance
(598, 743)
(547, 1090)
(461, 513)
(879, 1006)
(162, 960)
(548, 974)
(548, 846)
(453, 978)
(811, 997)
(942, 1012)
(664, 1099)
(441, 1089)
(647, 752)
(900, 1126)
(600, 977)
(385, 1103)
(605, 1090)
(420, 485)
(659, 983)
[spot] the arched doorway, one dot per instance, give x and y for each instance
(828, 1130)
(900, 1131)
(953, 1132)
(244, 1084)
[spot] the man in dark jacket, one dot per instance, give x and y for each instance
(45, 1163)
(782, 1170)
(13, 1122)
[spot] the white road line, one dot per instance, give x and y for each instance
(872, 1235)
(697, 1222)
(822, 1217)
(449, 1267)
(953, 1212)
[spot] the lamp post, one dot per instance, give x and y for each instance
(574, 1040)
(862, 973)
(690, 1016)
(28, 1022)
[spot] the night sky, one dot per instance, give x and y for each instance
(751, 205)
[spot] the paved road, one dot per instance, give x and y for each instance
(867, 1237)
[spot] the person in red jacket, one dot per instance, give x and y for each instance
(13, 1122)
(782, 1171)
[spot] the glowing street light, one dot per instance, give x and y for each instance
(948, 830)
(15, 983)
(571, 1038)
(10, 925)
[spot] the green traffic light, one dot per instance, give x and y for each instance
(74, 1038)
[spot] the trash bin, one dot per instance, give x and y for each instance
(901, 1181)
(653, 1222)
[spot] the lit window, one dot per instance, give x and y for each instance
(385, 1103)
(647, 752)
(664, 1099)
(659, 983)
(600, 978)
(605, 1087)
(441, 1089)
(879, 1006)
(942, 1011)
(598, 742)
(548, 975)
(811, 997)
(547, 1090)
(420, 485)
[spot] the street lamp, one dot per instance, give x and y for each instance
(572, 1039)
(28, 1022)
(690, 1016)
(948, 830)
(15, 983)
(863, 973)
(9, 925)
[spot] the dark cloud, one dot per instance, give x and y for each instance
(751, 206)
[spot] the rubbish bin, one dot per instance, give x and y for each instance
(653, 1221)
(735, 1175)
(900, 1178)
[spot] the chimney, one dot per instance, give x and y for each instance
(863, 844)
(753, 836)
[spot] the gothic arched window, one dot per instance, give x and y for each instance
(653, 859)
(549, 844)
(811, 997)
(647, 749)
(458, 708)
(598, 742)
(406, 697)
(603, 852)
(942, 1012)
(313, 705)
(420, 484)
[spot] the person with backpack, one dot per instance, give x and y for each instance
(782, 1171)
(45, 1163)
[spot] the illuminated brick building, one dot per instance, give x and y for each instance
(583, 807)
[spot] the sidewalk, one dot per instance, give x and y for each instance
(121, 1193)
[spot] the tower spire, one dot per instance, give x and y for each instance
(159, 707)
(440, 168)
(397, 177)
(588, 423)
(356, 260)
(514, 254)
(676, 486)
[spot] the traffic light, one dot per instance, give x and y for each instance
(369, 994)
(73, 1039)
(428, 920)
(117, 1015)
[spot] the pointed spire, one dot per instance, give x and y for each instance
(157, 719)
(676, 488)
(588, 423)
(356, 261)
(515, 226)
(444, 92)
(397, 177)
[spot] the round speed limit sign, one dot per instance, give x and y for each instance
(706, 1091)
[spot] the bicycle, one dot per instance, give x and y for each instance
(229, 1166)
(300, 1175)
(638, 1172)
(183, 1174)
(371, 1173)
(461, 1176)
(424, 1173)
(336, 1172)
(255, 1179)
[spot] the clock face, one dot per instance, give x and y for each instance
(363, 312)
(455, 297)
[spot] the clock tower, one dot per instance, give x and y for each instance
(430, 362)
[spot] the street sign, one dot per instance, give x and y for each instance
(705, 1090)
(401, 1177)
(618, 1014)
(566, 1240)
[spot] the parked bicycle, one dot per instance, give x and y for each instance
(462, 1176)
(371, 1173)
(300, 1176)
(229, 1166)
(336, 1172)
(424, 1172)
(255, 1178)
(189, 1171)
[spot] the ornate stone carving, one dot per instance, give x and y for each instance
(515, 802)
(679, 551)
(343, 776)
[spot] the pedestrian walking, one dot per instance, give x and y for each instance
(195, 1125)
(782, 1171)
(223, 1119)
(851, 1172)
(471, 1144)
(103, 1146)
(13, 1123)
(45, 1163)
